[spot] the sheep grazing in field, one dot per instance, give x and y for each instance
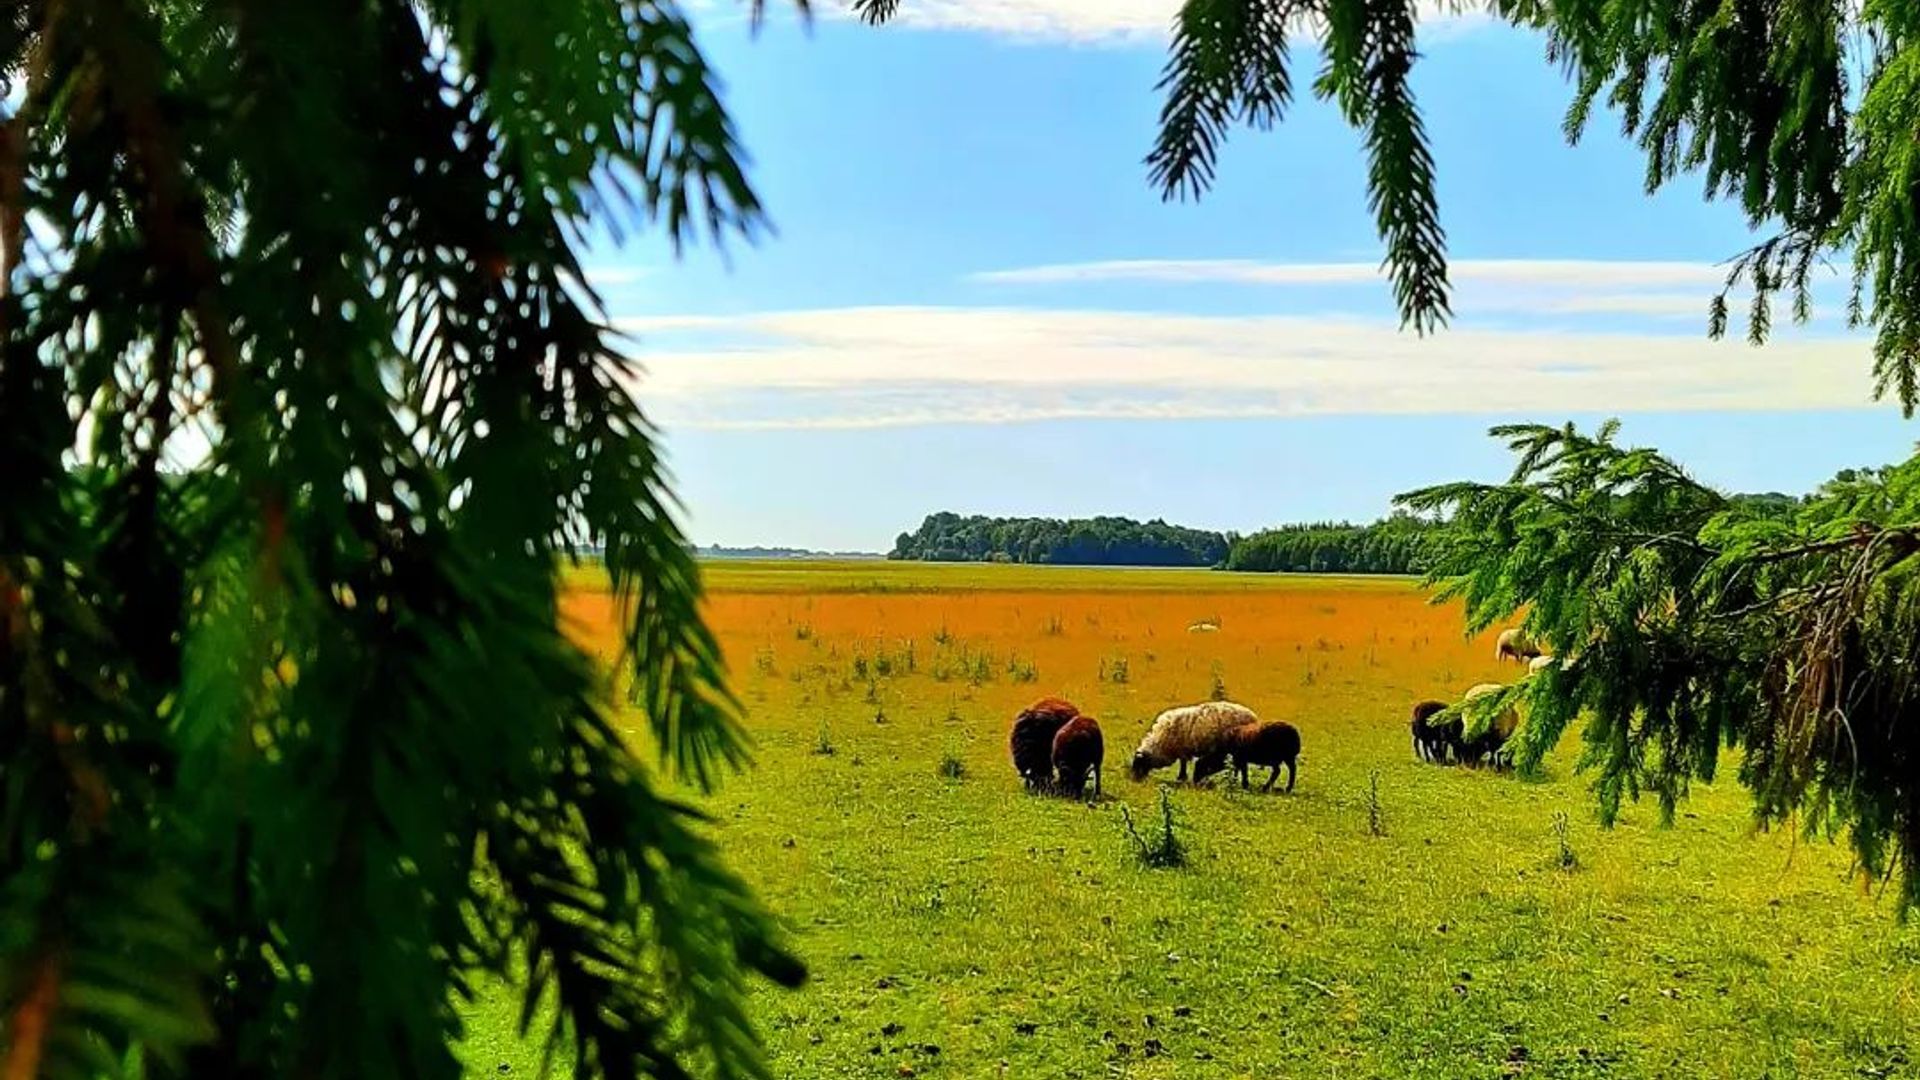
(1432, 738)
(1541, 663)
(1271, 744)
(1031, 741)
(1078, 749)
(1186, 732)
(1489, 743)
(1514, 644)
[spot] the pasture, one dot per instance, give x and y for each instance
(1389, 918)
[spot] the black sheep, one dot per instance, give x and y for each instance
(1431, 738)
(1271, 744)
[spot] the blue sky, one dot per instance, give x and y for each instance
(974, 301)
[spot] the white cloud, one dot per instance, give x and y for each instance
(868, 367)
(1556, 273)
(1104, 21)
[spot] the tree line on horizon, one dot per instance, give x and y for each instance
(1400, 543)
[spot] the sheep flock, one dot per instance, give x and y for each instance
(1056, 749)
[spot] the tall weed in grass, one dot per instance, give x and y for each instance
(1376, 816)
(1567, 858)
(1160, 848)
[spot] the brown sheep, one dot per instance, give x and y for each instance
(1031, 741)
(1078, 749)
(1271, 744)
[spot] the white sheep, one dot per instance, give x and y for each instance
(1188, 731)
(1494, 737)
(1514, 644)
(1541, 663)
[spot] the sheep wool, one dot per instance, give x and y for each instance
(1514, 644)
(1188, 731)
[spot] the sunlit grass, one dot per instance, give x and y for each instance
(959, 928)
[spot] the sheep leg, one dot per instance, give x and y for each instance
(1183, 770)
(1096, 780)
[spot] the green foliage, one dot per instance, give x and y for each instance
(292, 747)
(1687, 622)
(1101, 541)
(1395, 545)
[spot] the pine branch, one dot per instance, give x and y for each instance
(1228, 63)
(875, 12)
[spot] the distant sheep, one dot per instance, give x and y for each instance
(1078, 749)
(1514, 644)
(1541, 663)
(1031, 741)
(1489, 743)
(1431, 738)
(1270, 744)
(1189, 731)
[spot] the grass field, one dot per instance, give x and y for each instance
(958, 928)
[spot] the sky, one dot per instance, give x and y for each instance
(973, 300)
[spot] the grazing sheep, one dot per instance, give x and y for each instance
(1189, 731)
(1514, 644)
(1031, 740)
(1489, 742)
(1078, 749)
(1271, 744)
(1430, 737)
(1541, 663)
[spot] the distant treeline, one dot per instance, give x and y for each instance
(717, 551)
(1100, 541)
(1397, 545)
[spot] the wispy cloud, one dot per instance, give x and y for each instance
(890, 366)
(1557, 273)
(1651, 289)
(1098, 21)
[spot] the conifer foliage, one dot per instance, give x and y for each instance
(1686, 623)
(292, 748)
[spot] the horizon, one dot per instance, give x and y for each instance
(883, 549)
(973, 300)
